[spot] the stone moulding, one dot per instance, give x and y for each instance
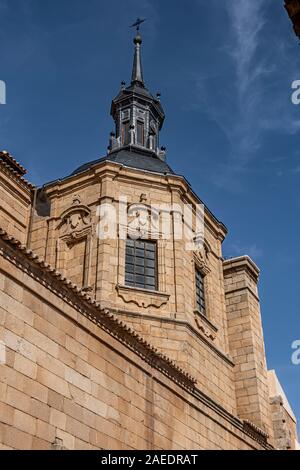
(142, 297)
(205, 326)
(201, 260)
(242, 263)
(256, 433)
(185, 324)
(13, 251)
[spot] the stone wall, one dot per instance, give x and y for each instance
(75, 377)
(246, 341)
(284, 426)
(283, 419)
(16, 197)
(205, 346)
(170, 377)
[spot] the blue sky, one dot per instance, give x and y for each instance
(224, 69)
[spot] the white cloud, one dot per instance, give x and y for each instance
(247, 19)
(257, 102)
(239, 249)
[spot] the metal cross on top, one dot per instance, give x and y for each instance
(138, 23)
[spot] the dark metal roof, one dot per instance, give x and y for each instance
(132, 159)
(138, 90)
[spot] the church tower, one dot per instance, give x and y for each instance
(134, 335)
(174, 296)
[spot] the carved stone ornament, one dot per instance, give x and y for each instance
(206, 329)
(202, 261)
(75, 222)
(142, 221)
(143, 299)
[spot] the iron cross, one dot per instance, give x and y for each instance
(138, 23)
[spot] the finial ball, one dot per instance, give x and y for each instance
(138, 39)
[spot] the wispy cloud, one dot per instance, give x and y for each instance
(247, 20)
(257, 100)
(240, 249)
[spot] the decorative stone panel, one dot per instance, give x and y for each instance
(141, 297)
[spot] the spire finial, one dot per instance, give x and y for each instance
(138, 23)
(137, 71)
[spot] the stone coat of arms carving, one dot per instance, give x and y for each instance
(75, 222)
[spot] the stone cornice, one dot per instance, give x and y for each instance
(255, 431)
(185, 324)
(116, 170)
(242, 263)
(53, 280)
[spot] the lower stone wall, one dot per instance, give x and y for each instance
(246, 341)
(75, 378)
(197, 355)
(285, 428)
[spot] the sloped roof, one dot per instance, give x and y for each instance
(132, 159)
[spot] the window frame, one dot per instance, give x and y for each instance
(125, 132)
(131, 244)
(142, 128)
(202, 309)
